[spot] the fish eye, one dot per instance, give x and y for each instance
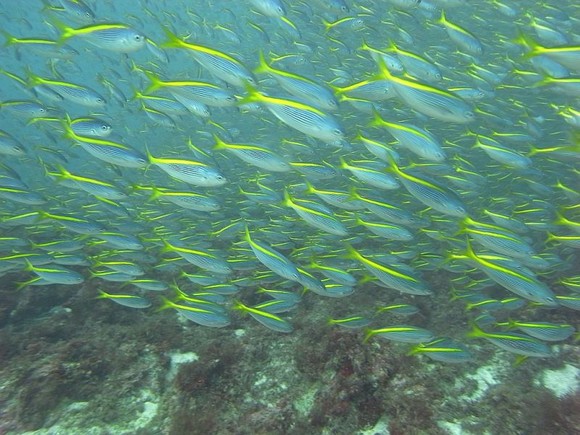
(337, 132)
(105, 127)
(137, 38)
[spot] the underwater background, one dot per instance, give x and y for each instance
(289, 217)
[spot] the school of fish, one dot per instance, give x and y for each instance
(230, 160)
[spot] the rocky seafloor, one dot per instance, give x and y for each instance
(70, 364)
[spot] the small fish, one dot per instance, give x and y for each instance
(255, 155)
(541, 330)
(25, 109)
(443, 349)
(55, 274)
(413, 138)
(149, 284)
(269, 320)
(386, 230)
(200, 258)
(371, 174)
(189, 171)
(567, 55)
(299, 86)
(201, 315)
(9, 146)
(392, 276)
(519, 344)
(75, 9)
(276, 306)
(401, 333)
(351, 322)
(302, 117)
(92, 186)
(311, 213)
(429, 192)
(72, 92)
(119, 38)
(121, 241)
(336, 274)
(462, 37)
(399, 309)
(429, 100)
(131, 301)
(269, 8)
(272, 259)
(184, 199)
(203, 92)
(502, 153)
(216, 62)
(91, 127)
(498, 239)
(510, 275)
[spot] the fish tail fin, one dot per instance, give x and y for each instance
(10, 39)
(287, 201)
(155, 193)
(377, 119)
(219, 143)
(32, 79)
(247, 236)
(23, 284)
(309, 187)
(369, 333)
(29, 267)
(239, 306)
(173, 40)
(415, 349)
(166, 304)
(102, 295)
(351, 253)
(476, 331)
(364, 46)
(442, 19)
(66, 32)
(529, 43)
(253, 95)
(156, 82)
(328, 25)
(383, 68)
(263, 67)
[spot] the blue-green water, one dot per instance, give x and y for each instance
(289, 217)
